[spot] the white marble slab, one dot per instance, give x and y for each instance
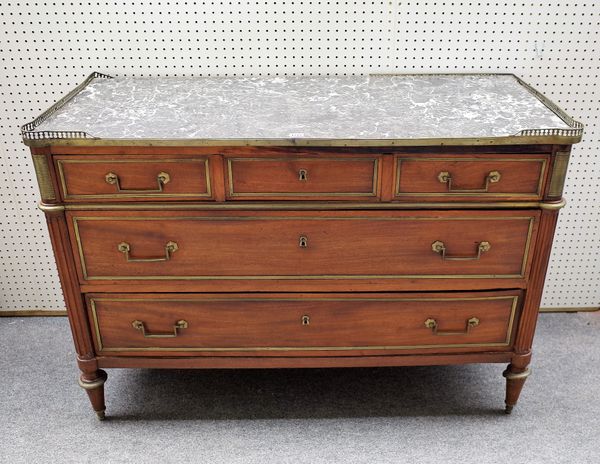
(360, 107)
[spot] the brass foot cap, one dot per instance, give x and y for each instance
(100, 415)
(508, 409)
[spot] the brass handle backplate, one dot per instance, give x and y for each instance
(433, 325)
(139, 325)
(440, 247)
(125, 248)
(303, 174)
(446, 178)
(162, 178)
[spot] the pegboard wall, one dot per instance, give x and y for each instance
(47, 48)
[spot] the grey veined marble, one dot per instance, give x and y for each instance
(360, 107)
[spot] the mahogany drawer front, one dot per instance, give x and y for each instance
(298, 178)
(280, 323)
(472, 178)
(302, 245)
(110, 178)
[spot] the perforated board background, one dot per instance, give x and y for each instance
(47, 48)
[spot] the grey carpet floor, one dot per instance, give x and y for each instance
(389, 415)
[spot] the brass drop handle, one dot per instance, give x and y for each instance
(162, 178)
(446, 178)
(125, 248)
(303, 241)
(433, 325)
(303, 174)
(139, 325)
(440, 247)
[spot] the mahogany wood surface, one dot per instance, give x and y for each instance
(236, 284)
(58, 149)
(83, 178)
(278, 323)
(302, 244)
(521, 177)
(254, 362)
(241, 280)
(271, 173)
(324, 177)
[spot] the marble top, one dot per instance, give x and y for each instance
(358, 107)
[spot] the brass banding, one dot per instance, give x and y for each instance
(96, 383)
(42, 173)
(46, 208)
(559, 173)
(554, 205)
(317, 205)
(516, 375)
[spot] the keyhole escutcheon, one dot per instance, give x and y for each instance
(302, 174)
(305, 320)
(303, 241)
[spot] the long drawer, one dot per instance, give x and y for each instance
(284, 324)
(302, 245)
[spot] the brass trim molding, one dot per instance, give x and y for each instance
(86, 385)
(284, 206)
(553, 205)
(480, 141)
(86, 276)
(506, 343)
(317, 205)
(516, 375)
(46, 208)
(42, 172)
(559, 173)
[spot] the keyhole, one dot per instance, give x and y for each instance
(305, 320)
(302, 174)
(303, 242)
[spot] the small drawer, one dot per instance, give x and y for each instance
(109, 178)
(303, 178)
(302, 245)
(284, 324)
(471, 178)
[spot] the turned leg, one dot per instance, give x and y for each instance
(93, 384)
(515, 378)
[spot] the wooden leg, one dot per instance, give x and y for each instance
(515, 378)
(93, 384)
